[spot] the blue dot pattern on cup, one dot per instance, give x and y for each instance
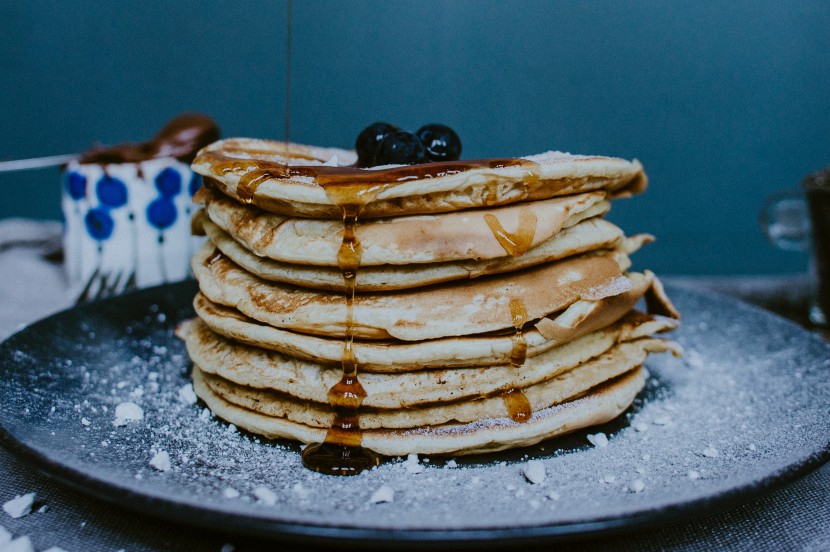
(111, 192)
(162, 213)
(99, 223)
(76, 185)
(169, 182)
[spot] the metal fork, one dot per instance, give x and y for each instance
(101, 285)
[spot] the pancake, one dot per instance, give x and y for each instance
(310, 381)
(588, 235)
(458, 308)
(616, 361)
(602, 404)
(481, 234)
(395, 356)
(297, 180)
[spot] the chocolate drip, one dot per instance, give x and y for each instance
(181, 138)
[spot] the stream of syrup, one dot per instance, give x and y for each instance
(342, 452)
(518, 312)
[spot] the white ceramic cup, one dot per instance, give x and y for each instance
(127, 225)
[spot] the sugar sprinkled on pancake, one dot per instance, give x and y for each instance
(451, 307)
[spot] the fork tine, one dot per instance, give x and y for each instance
(99, 293)
(85, 293)
(131, 282)
(120, 283)
(112, 289)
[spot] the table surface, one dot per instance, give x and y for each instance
(796, 517)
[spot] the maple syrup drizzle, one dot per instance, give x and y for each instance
(358, 182)
(249, 183)
(518, 242)
(519, 313)
(518, 407)
(342, 452)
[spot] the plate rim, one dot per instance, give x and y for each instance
(346, 536)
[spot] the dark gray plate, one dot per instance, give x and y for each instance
(746, 409)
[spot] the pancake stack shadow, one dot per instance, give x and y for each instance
(445, 308)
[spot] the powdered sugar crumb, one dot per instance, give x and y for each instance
(412, 466)
(20, 505)
(301, 492)
(161, 461)
(384, 493)
(265, 495)
(186, 394)
(127, 412)
(534, 471)
(20, 544)
(662, 420)
(599, 440)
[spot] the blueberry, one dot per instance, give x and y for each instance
(368, 141)
(401, 148)
(441, 142)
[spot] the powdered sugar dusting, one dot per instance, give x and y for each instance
(734, 391)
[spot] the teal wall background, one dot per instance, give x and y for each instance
(723, 101)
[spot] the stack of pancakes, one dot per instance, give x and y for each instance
(453, 307)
